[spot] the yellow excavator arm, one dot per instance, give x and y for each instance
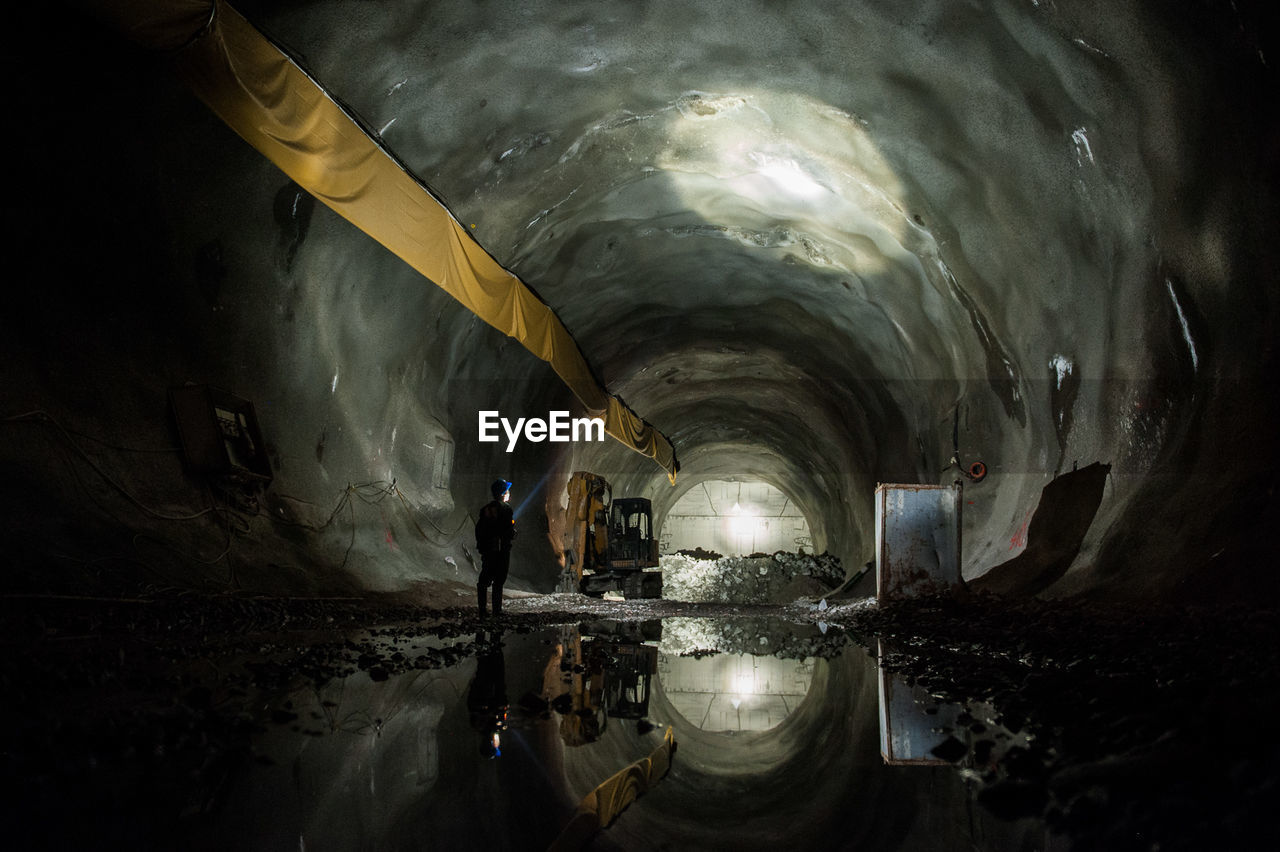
(586, 535)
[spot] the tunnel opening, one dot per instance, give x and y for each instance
(734, 517)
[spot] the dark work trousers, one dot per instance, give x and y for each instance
(493, 570)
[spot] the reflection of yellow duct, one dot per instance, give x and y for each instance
(285, 114)
(602, 805)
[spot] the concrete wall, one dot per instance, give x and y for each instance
(735, 519)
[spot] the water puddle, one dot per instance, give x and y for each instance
(681, 733)
(266, 724)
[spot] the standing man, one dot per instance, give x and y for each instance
(494, 531)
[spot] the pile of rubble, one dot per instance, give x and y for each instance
(760, 637)
(757, 579)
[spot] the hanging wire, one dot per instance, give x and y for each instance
(44, 418)
(39, 415)
(452, 536)
(241, 526)
(371, 493)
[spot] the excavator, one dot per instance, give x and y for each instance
(592, 679)
(609, 544)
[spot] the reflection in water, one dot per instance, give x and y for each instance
(632, 671)
(813, 780)
(917, 729)
(573, 686)
(909, 731)
(734, 692)
(734, 675)
(487, 698)
(599, 672)
(584, 727)
(598, 675)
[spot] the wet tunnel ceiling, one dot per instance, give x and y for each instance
(805, 234)
(818, 245)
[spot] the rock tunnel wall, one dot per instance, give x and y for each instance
(819, 247)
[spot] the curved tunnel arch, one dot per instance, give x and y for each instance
(1070, 257)
(807, 244)
(972, 324)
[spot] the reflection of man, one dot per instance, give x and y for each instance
(495, 529)
(487, 698)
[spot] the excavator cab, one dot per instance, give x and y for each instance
(628, 680)
(631, 542)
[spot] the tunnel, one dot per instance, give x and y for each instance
(1024, 246)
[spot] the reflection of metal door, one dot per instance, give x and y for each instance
(908, 733)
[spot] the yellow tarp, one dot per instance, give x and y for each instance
(602, 805)
(283, 113)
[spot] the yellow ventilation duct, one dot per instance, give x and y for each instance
(267, 99)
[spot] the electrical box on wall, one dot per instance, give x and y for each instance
(219, 433)
(917, 539)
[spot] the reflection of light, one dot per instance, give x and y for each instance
(721, 692)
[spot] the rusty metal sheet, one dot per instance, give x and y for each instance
(917, 539)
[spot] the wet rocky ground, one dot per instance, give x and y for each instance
(1146, 728)
(1149, 727)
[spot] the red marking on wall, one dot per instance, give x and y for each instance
(1019, 539)
(391, 540)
